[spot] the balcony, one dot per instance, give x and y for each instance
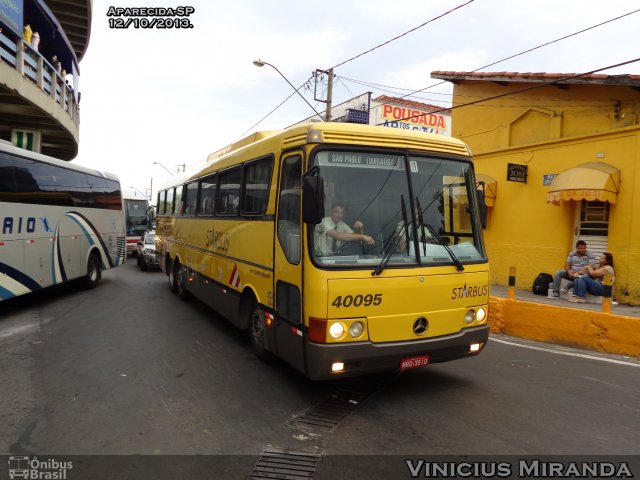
(34, 96)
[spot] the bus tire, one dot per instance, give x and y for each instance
(94, 272)
(171, 272)
(181, 289)
(257, 332)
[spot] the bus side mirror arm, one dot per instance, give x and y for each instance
(312, 197)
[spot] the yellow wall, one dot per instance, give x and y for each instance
(603, 332)
(550, 130)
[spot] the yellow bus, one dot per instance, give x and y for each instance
(344, 249)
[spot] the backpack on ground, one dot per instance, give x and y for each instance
(541, 284)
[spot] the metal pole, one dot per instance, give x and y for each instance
(260, 63)
(168, 171)
(511, 291)
(607, 282)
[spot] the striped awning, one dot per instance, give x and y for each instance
(490, 188)
(590, 181)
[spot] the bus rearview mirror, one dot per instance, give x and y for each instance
(482, 208)
(313, 199)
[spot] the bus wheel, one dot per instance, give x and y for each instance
(180, 278)
(94, 273)
(173, 266)
(257, 332)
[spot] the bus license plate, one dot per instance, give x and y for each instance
(413, 362)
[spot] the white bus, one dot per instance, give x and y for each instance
(58, 222)
(138, 216)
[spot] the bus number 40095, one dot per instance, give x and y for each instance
(357, 300)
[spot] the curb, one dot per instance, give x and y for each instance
(602, 332)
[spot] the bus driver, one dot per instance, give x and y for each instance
(332, 231)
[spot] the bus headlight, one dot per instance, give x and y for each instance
(470, 317)
(336, 330)
(355, 330)
(481, 315)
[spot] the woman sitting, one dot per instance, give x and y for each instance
(592, 282)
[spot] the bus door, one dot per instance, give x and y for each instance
(288, 263)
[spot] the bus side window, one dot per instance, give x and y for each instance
(178, 209)
(169, 202)
(7, 180)
(191, 198)
(228, 198)
(257, 177)
(207, 195)
(162, 202)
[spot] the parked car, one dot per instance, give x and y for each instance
(147, 251)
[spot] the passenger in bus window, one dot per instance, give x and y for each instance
(401, 231)
(332, 231)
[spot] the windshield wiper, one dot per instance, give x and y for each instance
(421, 226)
(439, 240)
(391, 243)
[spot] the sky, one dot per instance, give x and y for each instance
(174, 96)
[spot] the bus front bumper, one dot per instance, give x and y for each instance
(366, 357)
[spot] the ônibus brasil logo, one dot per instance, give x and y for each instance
(32, 468)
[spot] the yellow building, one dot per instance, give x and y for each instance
(560, 158)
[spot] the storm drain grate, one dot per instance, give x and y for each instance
(326, 415)
(284, 463)
(330, 412)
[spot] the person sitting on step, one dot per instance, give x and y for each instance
(592, 282)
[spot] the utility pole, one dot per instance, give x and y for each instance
(327, 116)
(151, 189)
(329, 100)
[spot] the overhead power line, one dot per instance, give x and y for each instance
(412, 92)
(575, 102)
(533, 87)
(276, 108)
(403, 34)
(526, 51)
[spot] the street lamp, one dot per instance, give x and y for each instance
(169, 171)
(262, 63)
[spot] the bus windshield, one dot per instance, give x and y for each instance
(137, 216)
(373, 214)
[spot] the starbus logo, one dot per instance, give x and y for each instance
(217, 240)
(471, 291)
(34, 469)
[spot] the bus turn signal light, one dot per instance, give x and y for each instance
(318, 329)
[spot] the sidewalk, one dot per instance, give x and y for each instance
(555, 320)
(529, 296)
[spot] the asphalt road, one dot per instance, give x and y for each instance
(129, 369)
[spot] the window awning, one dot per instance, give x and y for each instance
(490, 188)
(590, 181)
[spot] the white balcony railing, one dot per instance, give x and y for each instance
(33, 66)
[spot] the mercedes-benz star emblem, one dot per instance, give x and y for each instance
(420, 326)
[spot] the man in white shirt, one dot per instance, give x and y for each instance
(331, 232)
